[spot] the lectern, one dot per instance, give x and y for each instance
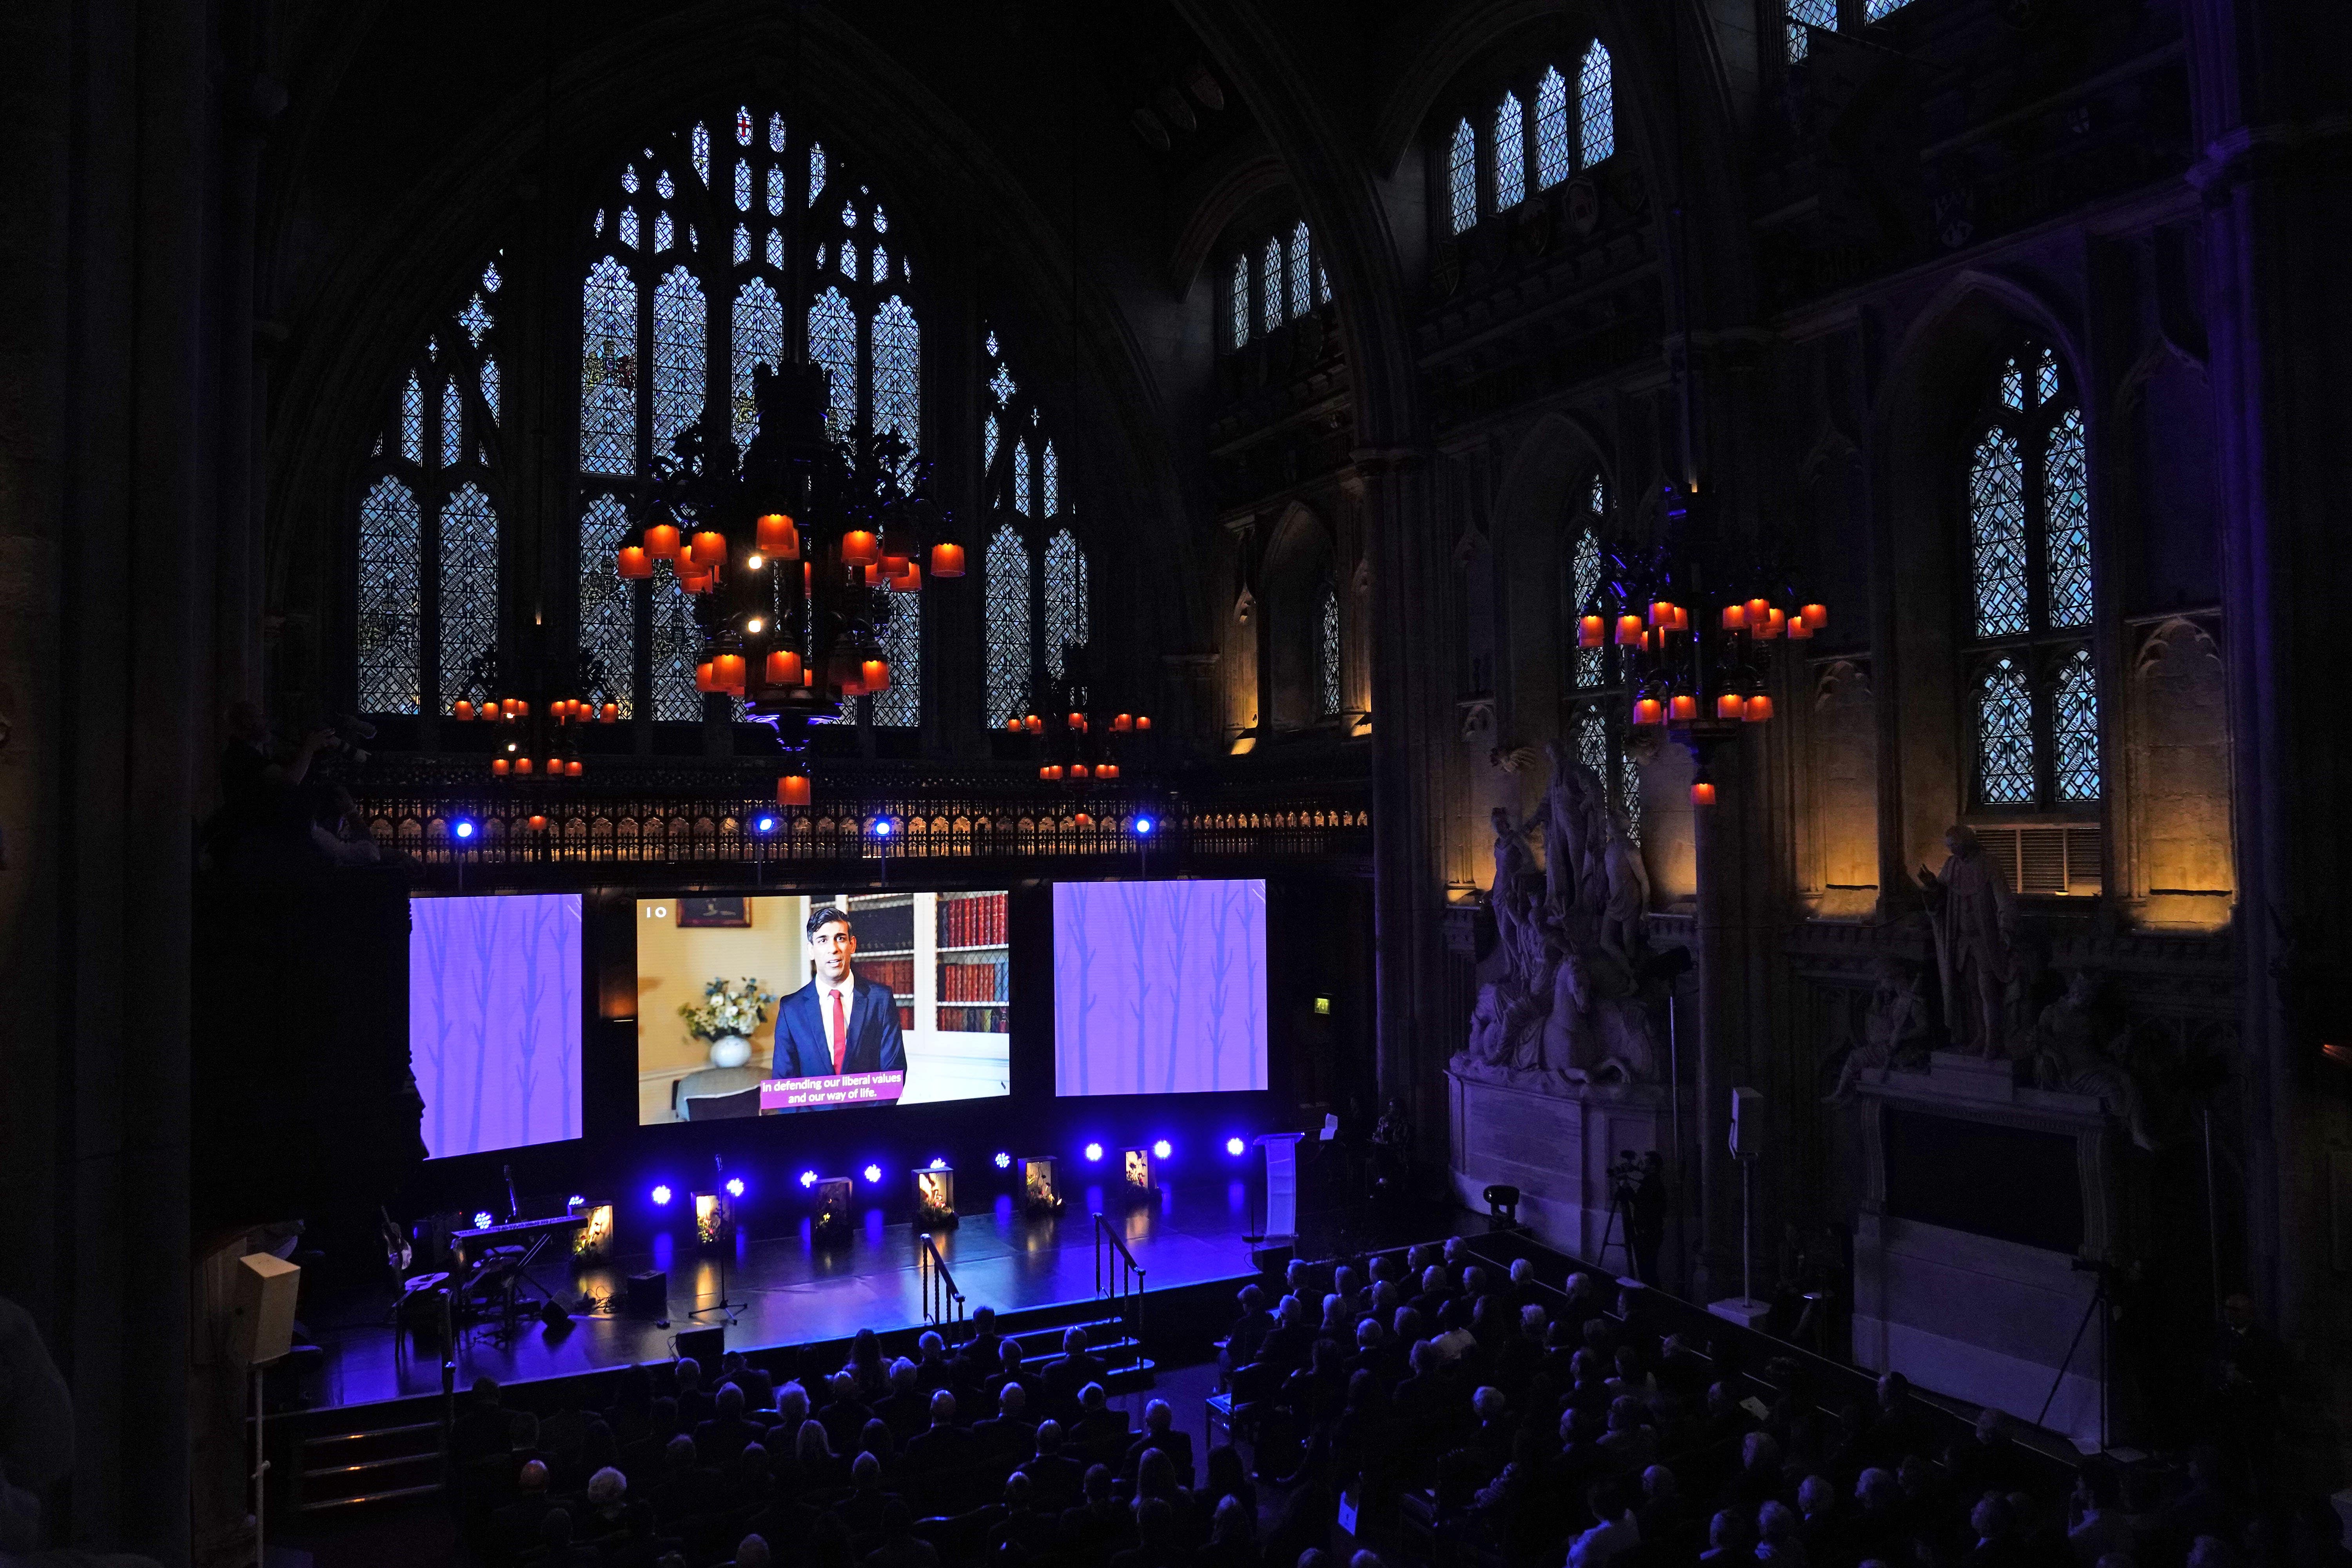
(1281, 1186)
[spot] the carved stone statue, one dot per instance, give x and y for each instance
(1894, 1029)
(2070, 1054)
(1629, 895)
(1975, 922)
(1567, 814)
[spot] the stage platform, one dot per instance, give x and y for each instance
(789, 1293)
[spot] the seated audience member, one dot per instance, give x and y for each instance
(1099, 1527)
(727, 1433)
(906, 1409)
(1024, 1532)
(1233, 1538)
(900, 1546)
(1008, 1436)
(792, 1409)
(1008, 1368)
(751, 1551)
(1669, 1525)
(1160, 1432)
(869, 1375)
(1729, 1539)
(933, 1370)
(483, 1430)
(1056, 1477)
(608, 1511)
(1778, 1540)
(1100, 1432)
(814, 1463)
(845, 1414)
(1075, 1369)
(1228, 1475)
(1248, 1330)
(694, 1406)
(1292, 1336)
(863, 1508)
(1820, 1523)
(556, 1547)
(1156, 1478)
(1156, 1545)
(2096, 1521)
(1616, 1529)
(940, 1453)
(516, 1525)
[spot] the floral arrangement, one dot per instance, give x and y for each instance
(728, 1008)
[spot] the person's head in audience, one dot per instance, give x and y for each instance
(1049, 1438)
(2107, 1560)
(1090, 1398)
(1624, 1414)
(1407, 1324)
(606, 1487)
(1017, 1490)
(1991, 1518)
(865, 1472)
(1074, 1343)
(1433, 1281)
(1157, 1417)
(1155, 1475)
(1605, 1499)
(791, 1402)
(751, 1465)
(1993, 1427)
(1369, 1334)
(664, 1416)
(1232, 1526)
(689, 1373)
(1344, 1282)
(1291, 1311)
(943, 1408)
(876, 1439)
(729, 1402)
(812, 1446)
(930, 1347)
(1155, 1522)
(1531, 1319)
(1759, 1453)
(1097, 1484)
(1487, 1402)
(1366, 1558)
(1893, 1392)
(984, 1321)
(1423, 1357)
(1523, 1272)
(1008, 1357)
(679, 1455)
(751, 1551)
(1335, 1313)
(902, 1376)
(1454, 1250)
(1776, 1521)
(1250, 1298)
(1916, 1476)
(1228, 1476)
(865, 1351)
(1011, 1400)
(1294, 1276)
(1878, 1491)
(1815, 1495)
(1384, 1298)
(1314, 1557)
(1658, 1483)
(1727, 1530)
(533, 1477)
(844, 1386)
(486, 1393)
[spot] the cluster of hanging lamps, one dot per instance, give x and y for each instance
(531, 749)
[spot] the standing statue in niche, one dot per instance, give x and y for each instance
(1975, 923)
(1562, 1004)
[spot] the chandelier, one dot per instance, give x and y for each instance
(1700, 673)
(537, 735)
(795, 556)
(1078, 746)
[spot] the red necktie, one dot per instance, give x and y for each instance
(840, 1034)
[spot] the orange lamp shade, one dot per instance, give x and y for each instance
(1143, 720)
(1121, 723)
(1816, 617)
(572, 769)
(524, 765)
(612, 713)
(1077, 770)
(694, 581)
(520, 710)
(537, 823)
(876, 673)
(777, 536)
(1735, 618)
(1681, 708)
(1105, 770)
(1034, 724)
(1591, 631)
(1759, 612)
(1013, 726)
(1703, 793)
(783, 668)
(727, 672)
(947, 560)
(1731, 705)
(661, 542)
(702, 681)
(1078, 721)
(1629, 631)
(1773, 621)
(710, 548)
(1759, 709)
(792, 789)
(555, 767)
(873, 569)
(1682, 618)
(1082, 820)
(1051, 773)
(497, 767)
(909, 581)
(462, 711)
(895, 561)
(1662, 612)
(1649, 711)
(634, 564)
(1799, 630)
(858, 547)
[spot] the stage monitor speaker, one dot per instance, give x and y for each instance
(649, 1295)
(262, 1315)
(705, 1346)
(1747, 1122)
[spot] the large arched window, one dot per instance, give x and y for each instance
(1596, 702)
(425, 608)
(715, 248)
(1035, 595)
(1273, 279)
(1327, 646)
(2032, 698)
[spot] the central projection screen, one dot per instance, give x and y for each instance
(925, 1011)
(1159, 987)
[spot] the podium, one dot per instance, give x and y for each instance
(1281, 1186)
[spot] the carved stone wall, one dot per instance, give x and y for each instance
(2185, 873)
(1840, 877)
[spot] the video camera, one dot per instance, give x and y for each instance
(349, 730)
(1625, 1176)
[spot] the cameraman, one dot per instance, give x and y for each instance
(1645, 1216)
(264, 821)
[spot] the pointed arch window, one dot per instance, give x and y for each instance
(1326, 650)
(1572, 124)
(1462, 177)
(1510, 155)
(686, 292)
(1037, 591)
(1555, 152)
(1271, 280)
(426, 563)
(2033, 697)
(1596, 106)
(1596, 721)
(1801, 16)
(1582, 597)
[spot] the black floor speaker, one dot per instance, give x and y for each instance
(704, 1346)
(649, 1295)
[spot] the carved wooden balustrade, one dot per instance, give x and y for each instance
(639, 818)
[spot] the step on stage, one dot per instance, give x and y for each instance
(788, 1293)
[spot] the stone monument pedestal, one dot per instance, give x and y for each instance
(1554, 1140)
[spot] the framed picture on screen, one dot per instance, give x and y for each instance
(706, 913)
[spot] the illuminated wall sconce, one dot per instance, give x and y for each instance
(714, 1218)
(1041, 1191)
(829, 1220)
(935, 1206)
(592, 1242)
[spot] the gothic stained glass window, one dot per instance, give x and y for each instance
(702, 153)
(1238, 302)
(833, 343)
(1996, 535)
(1629, 796)
(1554, 157)
(759, 340)
(1006, 591)
(1510, 155)
(489, 379)
(2066, 537)
(1053, 483)
(680, 324)
(899, 704)
(412, 420)
(469, 586)
(1584, 589)
(1462, 177)
(898, 400)
(1065, 599)
(1302, 299)
(1022, 502)
(1270, 284)
(608, 370)
(608, 617)
(1800, 16)
(1592, 740)
(1326, 650)
(1879, 10)
(1596, 107)
(2075, 726)
(391, 614)
(672, 646)
(2005, 760)
(453, 425)
(1322, 284)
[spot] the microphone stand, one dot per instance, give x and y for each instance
(725, 1308)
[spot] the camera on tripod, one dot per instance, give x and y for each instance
(347, 730)
(1625, 1176)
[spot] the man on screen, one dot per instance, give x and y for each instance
(837, 1023)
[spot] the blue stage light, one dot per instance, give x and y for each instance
(1144, 826)
(873, 1175)
(661, 1196)
(1093, 1151)
(481, 1219)
(463, 828)
(1005, 1162)
(882, 828)
(574, 1201)
(1234, 1146)
(734, 1186)
(938, 1164)
(1162, 1150)
(766, 824)
(808, 1178)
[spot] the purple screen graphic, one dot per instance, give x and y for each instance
(494, 1020)
(1159, 987)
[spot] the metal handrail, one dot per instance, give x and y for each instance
(943, 1304)
(1125, 1278)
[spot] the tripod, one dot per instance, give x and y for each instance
(1620, 1225)
(2096, 1306)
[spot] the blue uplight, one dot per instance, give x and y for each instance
(463, 828)
(481, 1219)
(1005, 1162)
(1234, 1146)
(882, 828)
(574, 1201)
(765, 824)
(661, 1196)
(734, 1186)
(873, 1175)
(1162, 1150)
(1144, 826)
(938, 1164)
(808, 1178)
(1093, 1151)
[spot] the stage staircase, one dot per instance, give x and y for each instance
(1113, 1320)
(339, 1470)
